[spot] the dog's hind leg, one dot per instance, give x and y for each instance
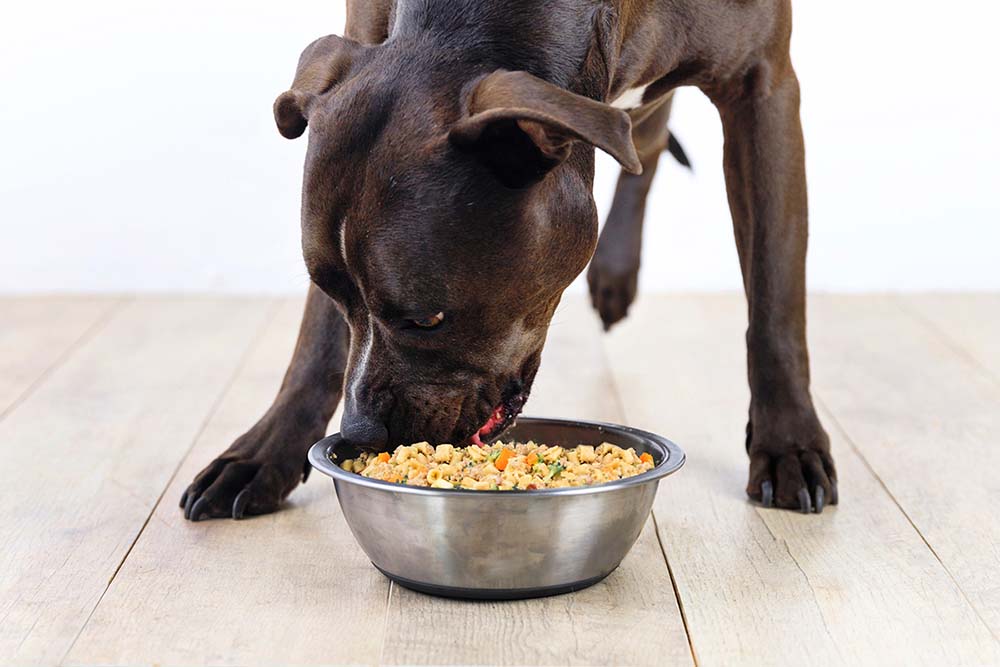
(614, 270)
(264, 464)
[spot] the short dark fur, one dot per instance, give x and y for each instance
(450, 167)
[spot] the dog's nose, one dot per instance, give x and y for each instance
(363, 432)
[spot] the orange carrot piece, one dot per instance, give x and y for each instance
(646, 457)
(504, 458)
(531, 459)
(384, 457)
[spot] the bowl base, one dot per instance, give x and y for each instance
(493, 593)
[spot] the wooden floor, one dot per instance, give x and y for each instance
(108, 407)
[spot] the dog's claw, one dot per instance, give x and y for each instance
(184, 497)
(189, 500)
(306, 469)
(240, 503)
(834, 496)
(197, 509)
(767, 493)
(820, 497)
(805, 505)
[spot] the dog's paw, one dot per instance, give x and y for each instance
(797, 474)
(256, 473)
(231, 486)
(613, 283)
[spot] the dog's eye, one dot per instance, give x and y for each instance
(428, 322)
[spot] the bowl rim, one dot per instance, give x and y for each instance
(671, 463)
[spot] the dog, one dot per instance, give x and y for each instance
(447, 203)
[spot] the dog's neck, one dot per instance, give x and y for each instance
(551, 40)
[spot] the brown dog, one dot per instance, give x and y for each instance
(447, 204)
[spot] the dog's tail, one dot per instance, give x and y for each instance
(674, 148)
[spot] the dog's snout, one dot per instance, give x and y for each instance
(363, 432)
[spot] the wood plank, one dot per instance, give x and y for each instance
(968, 322)
(87, 454)
(855, 585)
(926, 417)
(37, 333)
(289, 588)
(630, 618)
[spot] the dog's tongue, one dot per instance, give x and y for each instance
(498, 416)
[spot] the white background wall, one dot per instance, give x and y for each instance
(138, 151)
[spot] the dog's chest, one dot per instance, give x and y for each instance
(630, 99)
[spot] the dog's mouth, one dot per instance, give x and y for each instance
(501, 419)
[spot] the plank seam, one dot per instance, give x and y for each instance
(945, 338)
(850, 442)
(805, 577)
(677, 593)
(102, 321)
(240, 365)
(385, 622)
(622, 414)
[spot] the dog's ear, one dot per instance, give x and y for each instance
(321, 66)
(522, 127)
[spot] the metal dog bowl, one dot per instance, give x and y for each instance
(497, 545)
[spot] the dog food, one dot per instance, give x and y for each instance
(500, 466)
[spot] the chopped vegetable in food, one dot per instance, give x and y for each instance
(504, 458)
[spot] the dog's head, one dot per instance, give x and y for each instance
(445, 209)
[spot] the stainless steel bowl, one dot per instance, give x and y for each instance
(503, 544)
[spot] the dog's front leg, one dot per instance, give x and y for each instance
(263, 465)
(790, 463)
